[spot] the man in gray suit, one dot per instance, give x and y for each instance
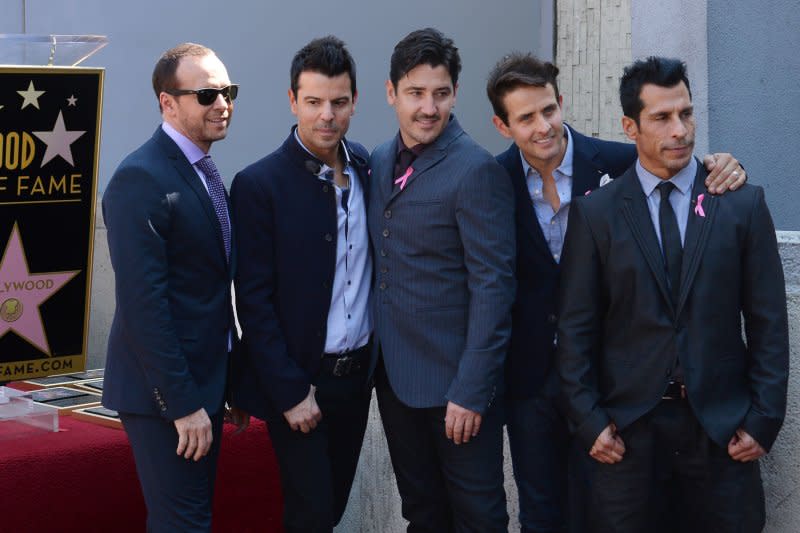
(441, 221)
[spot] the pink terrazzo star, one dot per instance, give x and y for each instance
(21, 293)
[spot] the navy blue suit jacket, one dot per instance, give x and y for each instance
(287, 227)
(534, 315)
(168, 345)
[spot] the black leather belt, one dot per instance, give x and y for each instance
(675, 391)
(344, 364)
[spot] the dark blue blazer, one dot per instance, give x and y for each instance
(286, 224)
(534, 315)
(168, 345)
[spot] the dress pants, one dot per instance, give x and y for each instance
(178, 492)
(444, 487)
(673, 478)
(317, 468)
(539, 442)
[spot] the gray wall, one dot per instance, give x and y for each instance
(754, 98)
(743, 65)
(256, 40)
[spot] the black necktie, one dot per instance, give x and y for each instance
(670, 240)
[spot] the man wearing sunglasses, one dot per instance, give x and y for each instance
(302, 290)
(169, 234)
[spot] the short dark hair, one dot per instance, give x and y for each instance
(325, 55)
(164, 71)
(428, 46)
(518, 70)
(661, 71)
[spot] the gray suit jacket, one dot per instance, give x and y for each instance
(444, 271)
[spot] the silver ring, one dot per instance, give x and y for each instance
(735, 173)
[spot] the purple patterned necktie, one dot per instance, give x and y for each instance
(217, 192)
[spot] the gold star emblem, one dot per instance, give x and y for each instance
(30, 97)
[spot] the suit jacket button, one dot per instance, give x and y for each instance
(324, 188)
(387, 213)
(384, 270)
(383, 253)
(325, 284)
(382, 286)
(385, 232)
(328, 237)
(551, 318)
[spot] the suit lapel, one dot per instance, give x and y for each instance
(637, 215)
(586, 172)
(188, 174)
(429, 157)
(697, 230)
(527, 214)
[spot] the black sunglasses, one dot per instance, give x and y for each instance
(209, 95)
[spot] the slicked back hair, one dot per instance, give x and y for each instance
(518, 70)
(428, 46)
(660, 71)
(326, 55)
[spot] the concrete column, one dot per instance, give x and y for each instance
(593, 45)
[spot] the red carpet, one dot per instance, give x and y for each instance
(83, 479)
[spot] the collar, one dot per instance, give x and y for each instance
(192, 152)
(683, 180)
(565, 168)
(416, 149)
(323, 168)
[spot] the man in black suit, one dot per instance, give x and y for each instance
(549, 163)
(303, 289)
(169, 235)
(661, 388)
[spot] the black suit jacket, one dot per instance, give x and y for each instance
(287, 229)
(168, 345)
(619, 333)
(532, 349)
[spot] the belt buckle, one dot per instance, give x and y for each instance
(343, 366)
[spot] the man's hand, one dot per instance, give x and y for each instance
(725, 173)
(608, 448)
(305, 415)
(744, 448)
(461, 424)
(236, 416)
(194, 435)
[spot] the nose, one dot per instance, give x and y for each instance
(428, 105)
(221, 102)
(541, 125)
(327, 112)
(678, 128)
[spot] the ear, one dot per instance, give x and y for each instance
(391, 95)
(501, 127)
(630, 128)
(355, 99)
(167, 103)
(292, 101)
(561, 101)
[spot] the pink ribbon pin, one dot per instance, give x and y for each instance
(404, 178)
(587, 192)
(698, 209)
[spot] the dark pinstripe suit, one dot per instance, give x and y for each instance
(444, 255)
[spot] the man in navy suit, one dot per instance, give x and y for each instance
(173, 256)
(550, 164)
(672, 398)
(442, 227)
(303, 289)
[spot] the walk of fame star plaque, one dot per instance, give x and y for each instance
(49, 147)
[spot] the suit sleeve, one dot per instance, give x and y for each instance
(137, 216)
(766, 326)
(283, 380)
(485, 218)
(579, 328)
